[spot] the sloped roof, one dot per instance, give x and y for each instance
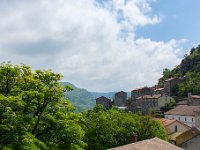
(150, 96)
(195, 96)
(183, 110)
(159, 89)
(165, 121)
(170, 79)
(150, 144)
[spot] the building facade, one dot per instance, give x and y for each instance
(120, 99)
(107, 104)
(189, 115)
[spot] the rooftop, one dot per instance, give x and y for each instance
(137, 89)
(150, 96)
(150, 144)
(159, 89)
(183, 110)
(195, 96)
(165, 122)
(170, 79)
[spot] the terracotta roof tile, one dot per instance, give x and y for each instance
(183, 110)
(195, 96)
(150, 144)
(164, 121)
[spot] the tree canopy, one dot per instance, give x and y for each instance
(110, 128)
(34, 113)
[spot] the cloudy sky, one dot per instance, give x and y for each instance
(100, 45)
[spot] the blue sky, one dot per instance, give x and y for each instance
(180, 20)
(120, 45)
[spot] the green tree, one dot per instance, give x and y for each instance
(34, 113)
(110, 128)
(192, 84)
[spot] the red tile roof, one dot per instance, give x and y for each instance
(138, 89)
(165, 122)
(195, 96)
(183, 110)
(150, 144)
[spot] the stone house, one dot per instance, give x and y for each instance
(158, 91)
(107, 104)
(189, 115)
(173, 126)
(170, 84)
(120, 98)
(189, 140)
(193, 100)
(140, 92)
(148, 103)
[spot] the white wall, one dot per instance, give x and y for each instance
(189, 120)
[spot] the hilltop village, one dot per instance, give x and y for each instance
(182, 122)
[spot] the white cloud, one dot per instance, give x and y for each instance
(92, 44)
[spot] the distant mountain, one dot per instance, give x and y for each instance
(80, 98)
(83, 99)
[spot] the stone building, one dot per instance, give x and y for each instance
(120, 98)
(140, 92)
(148, 103)
(193, 100)
(189, 140)
(107, 104)
(159, 91)
(170, 84)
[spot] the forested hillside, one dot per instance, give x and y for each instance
(189, 68)
(80, 98)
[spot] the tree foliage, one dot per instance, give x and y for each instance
(188, 68)
(110, 128)
(34, 113)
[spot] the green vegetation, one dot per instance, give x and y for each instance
(80, 98)
(35, 115)
(188, 68)
(110, 128)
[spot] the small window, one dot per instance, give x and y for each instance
(185, 119)
(179, 118)
(175, 128)
(192, 119)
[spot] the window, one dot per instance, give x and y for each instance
(192, 119)
(179, 118)
(185, 119)
(175, 128)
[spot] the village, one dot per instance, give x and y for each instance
(182, 123)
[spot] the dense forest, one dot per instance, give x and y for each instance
(189, 69)
(34, 114)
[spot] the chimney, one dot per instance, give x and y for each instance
(134, 137)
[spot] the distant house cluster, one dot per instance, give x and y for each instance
(144, 100)
(182, 123)
(119, 100)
